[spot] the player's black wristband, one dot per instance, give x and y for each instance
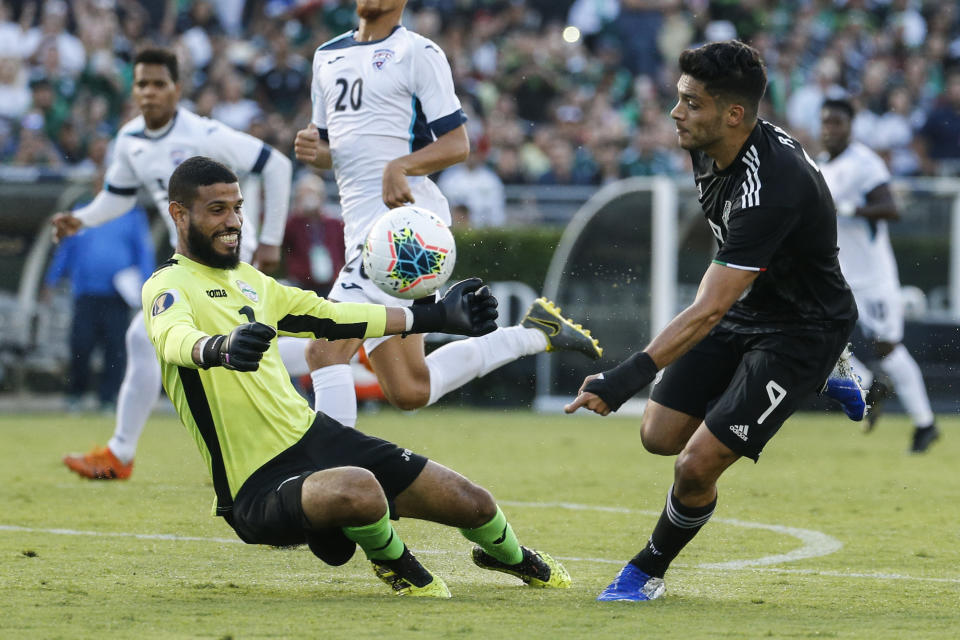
(619, 384)
(427, 317)
(210, 354)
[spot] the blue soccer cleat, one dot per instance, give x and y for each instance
(843, 385)
(633, 585)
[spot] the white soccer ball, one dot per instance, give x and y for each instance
(409, 253)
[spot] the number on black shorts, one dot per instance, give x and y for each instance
(776, 393)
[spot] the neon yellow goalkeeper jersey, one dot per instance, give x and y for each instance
(240, 420)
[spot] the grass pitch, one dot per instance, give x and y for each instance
(833, 534)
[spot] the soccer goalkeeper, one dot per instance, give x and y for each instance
(282, 474)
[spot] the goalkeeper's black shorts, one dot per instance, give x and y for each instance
(268, 508)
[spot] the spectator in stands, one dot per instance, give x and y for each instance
(563, 166)
(15, 95)
(313, 246)
(507, 165)
(282, 76)
(34, 148)
(509, 59)
(98, 261)
(637, 28)
(69, 144)
(803, 106)
(45, 103)
(12, 34)
(198, 24)
(52, 34)
(893, 134)
(938, 141)
(474, 185)
(233, 109)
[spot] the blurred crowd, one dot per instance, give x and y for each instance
(557, 91)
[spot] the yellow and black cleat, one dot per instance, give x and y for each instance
(562, 333)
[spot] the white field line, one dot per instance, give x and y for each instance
(815, 544)
(119, 534)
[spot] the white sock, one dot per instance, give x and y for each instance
(334, 393)
(457, 363)
(862, 370)
(908, 382)
(293, 352)
(138, 392)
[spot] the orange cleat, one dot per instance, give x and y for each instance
(99, 464)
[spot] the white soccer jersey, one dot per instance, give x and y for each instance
(866, 257)
(375, 102)
(139, 160)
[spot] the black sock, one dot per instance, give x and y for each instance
(675, 528)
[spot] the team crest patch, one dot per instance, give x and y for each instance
(381, 57)
(726, 213)
(164, 301)
(248, 291)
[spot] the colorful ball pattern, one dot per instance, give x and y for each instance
(409, 253)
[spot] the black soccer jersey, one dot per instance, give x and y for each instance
(772, 212)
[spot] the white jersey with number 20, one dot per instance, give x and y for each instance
(375, 102)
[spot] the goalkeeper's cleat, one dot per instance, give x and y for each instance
(562, 333)
(877, 394)
(99, 464)
(843, 385)
(923, 437)
(536, 569)
(407, 577)
(632, 585)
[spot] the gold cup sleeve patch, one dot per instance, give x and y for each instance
(164, 301)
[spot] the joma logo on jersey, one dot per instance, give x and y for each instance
(381, 57)
(217, 293)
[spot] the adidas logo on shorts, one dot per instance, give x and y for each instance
(740, 430)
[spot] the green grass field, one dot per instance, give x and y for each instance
(834, 534)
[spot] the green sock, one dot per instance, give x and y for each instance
(378, 540)
(496, 538)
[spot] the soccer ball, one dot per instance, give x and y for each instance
(409, 253)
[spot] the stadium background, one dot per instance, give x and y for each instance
(563, 97)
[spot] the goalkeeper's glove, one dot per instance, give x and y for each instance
(239, 351)
(619, 384)
(467, 309)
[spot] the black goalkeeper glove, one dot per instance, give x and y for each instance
(239, 351)
(621, 383)
(467, 309)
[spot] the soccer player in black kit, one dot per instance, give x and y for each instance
(770, 319)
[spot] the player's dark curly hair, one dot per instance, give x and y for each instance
(154, 55)
(840, 104)
(731, 71)
(198, 171)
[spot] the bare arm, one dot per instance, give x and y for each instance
(105, 207)
(880, 205)
(276, 176)
(311, 149)
(720, 287)
(447, 150)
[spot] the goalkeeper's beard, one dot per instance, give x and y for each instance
(201, 248)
